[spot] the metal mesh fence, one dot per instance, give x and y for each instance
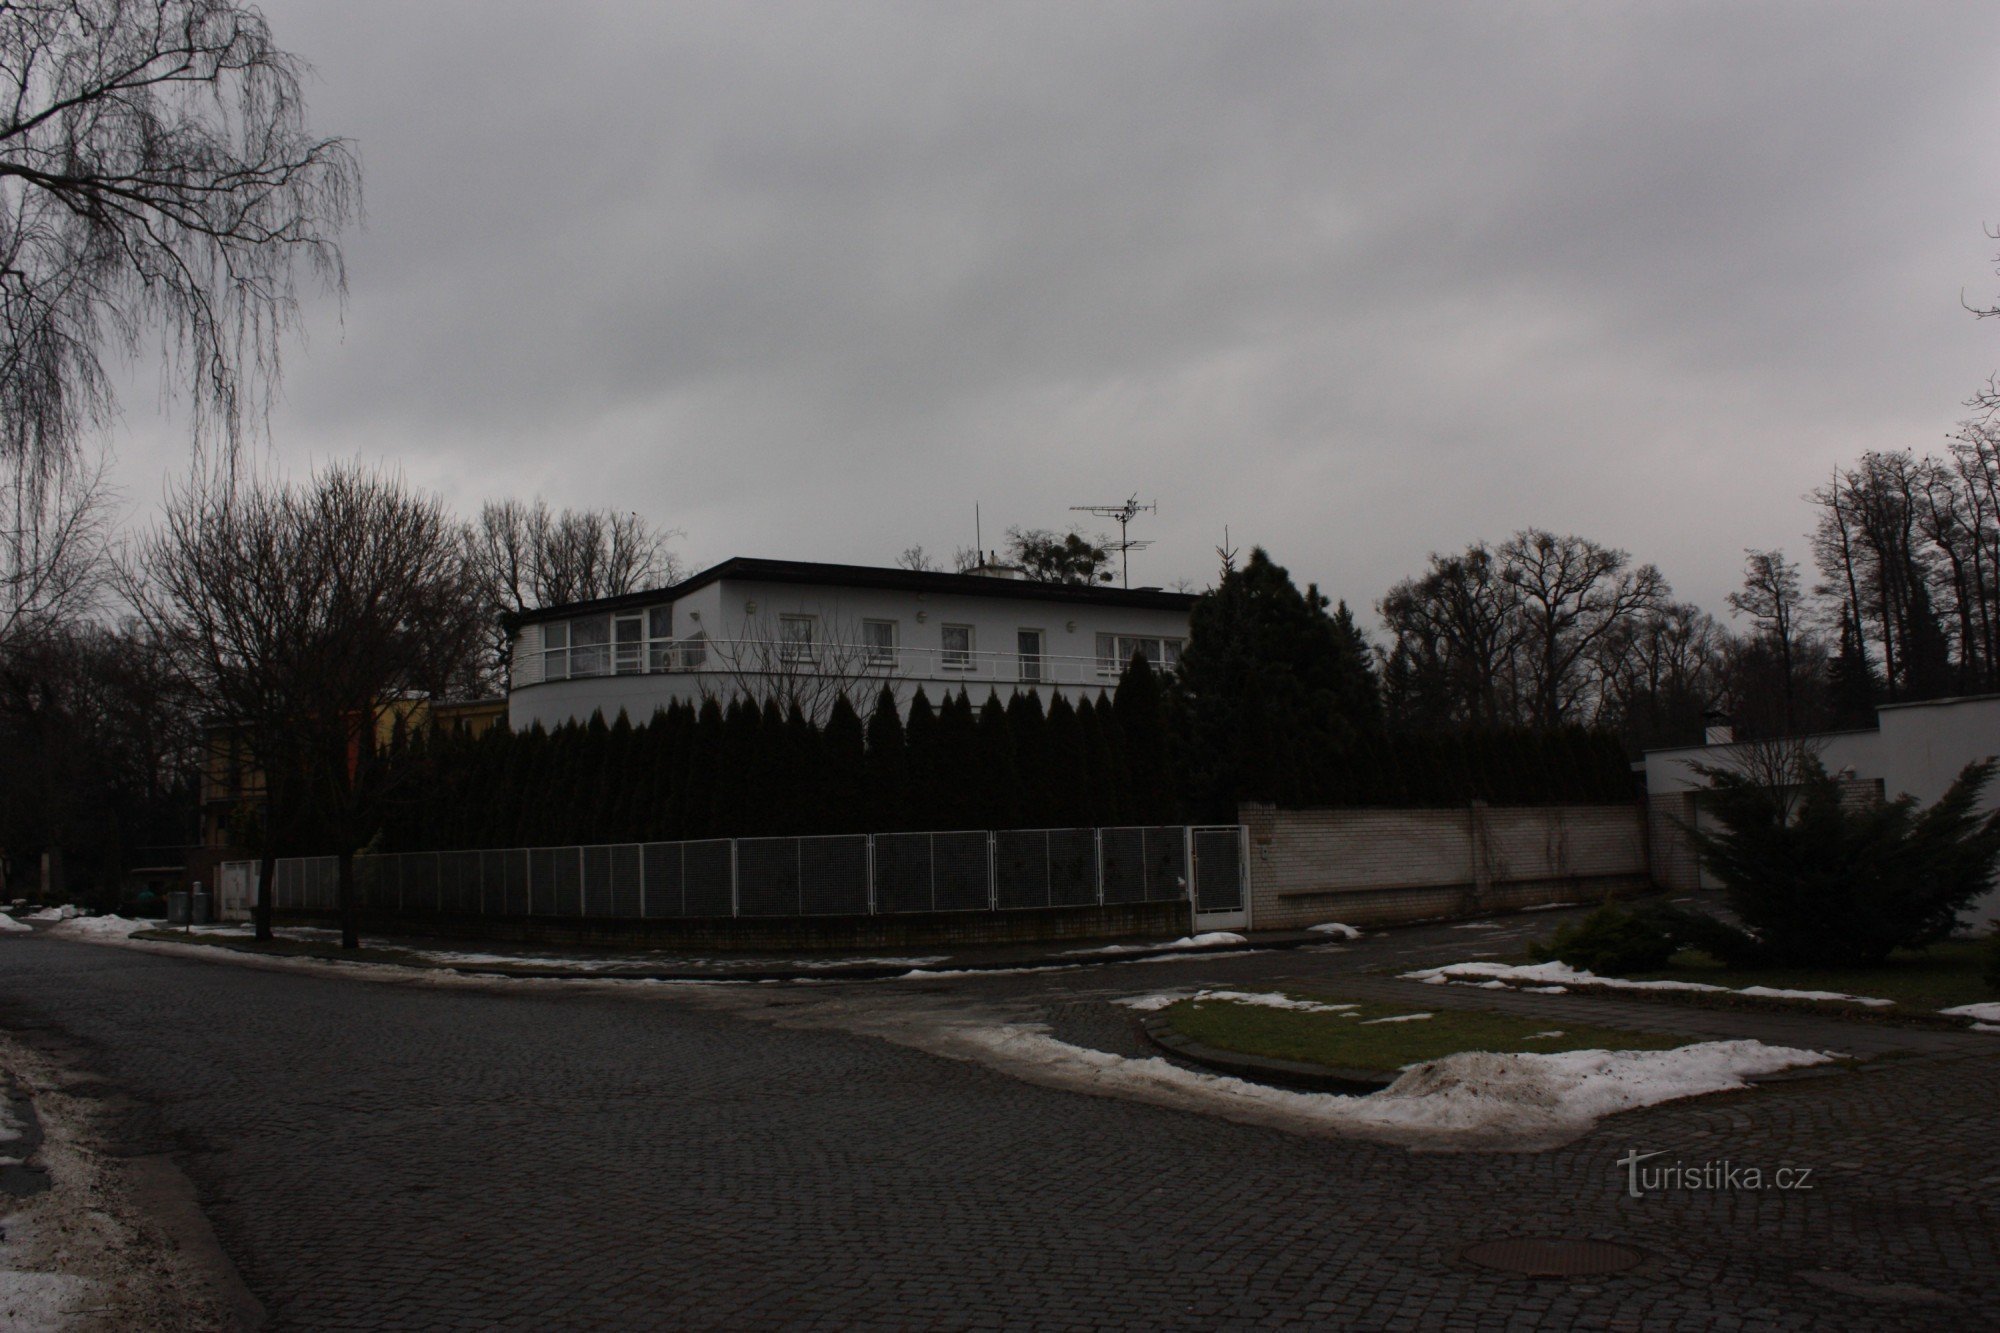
(843, 875)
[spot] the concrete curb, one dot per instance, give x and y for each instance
(1263, 1068)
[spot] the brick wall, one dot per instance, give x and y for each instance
(1380, 867)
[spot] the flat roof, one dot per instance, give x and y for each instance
(869, 576)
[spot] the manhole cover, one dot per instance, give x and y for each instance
(1552, 1258)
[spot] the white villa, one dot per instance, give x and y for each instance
(800, 630)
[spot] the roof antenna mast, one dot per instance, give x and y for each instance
(1123, 515)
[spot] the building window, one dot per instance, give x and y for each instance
(555, 650)
(1028, 649)
(590, 646)
(628, 642)
(1116, 651)
(957, 654)
(878, 641)
(796, 635)
(660, 638)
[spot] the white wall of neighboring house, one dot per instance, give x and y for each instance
(1915, 750)
(743, 623)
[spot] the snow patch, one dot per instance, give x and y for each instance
(107, 927)
(1988, 1012)
(112, 927)
(1271, 1000)
(9, 926)
(1552, 907)
(1550, 1035)
(1337, 930)
(1396, 1018)
(1501, 974)
(1206, 940)
(1471, 1099)
(1478, 925)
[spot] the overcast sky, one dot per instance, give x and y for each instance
(1359, 281)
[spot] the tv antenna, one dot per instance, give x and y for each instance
(1123, 515)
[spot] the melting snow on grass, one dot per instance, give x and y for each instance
(1983, 1013)
(1550, 974)
(1396, 1018)
(1474, 1099)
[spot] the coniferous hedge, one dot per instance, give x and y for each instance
(749, 770)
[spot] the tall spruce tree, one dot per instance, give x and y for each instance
(1270, 686)
(888, 766)
(1142, 743)
(844, 769)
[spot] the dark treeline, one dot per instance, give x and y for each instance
(751, 770)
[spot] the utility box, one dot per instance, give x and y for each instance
(177, 907)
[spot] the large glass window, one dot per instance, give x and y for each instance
(878, 640)
(590, 646)
(1116, 651)
(555, 650)
(796, 636)
(1028, 648)
(628, 635)
(957, 643)
(660, 638)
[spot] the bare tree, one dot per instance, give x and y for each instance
(309, 619)
(1573, 592)
(1772, 597)
(916, 558)
(814, 677)
(53, 533)
(156, 176)
(1456, 635)
(528, 556)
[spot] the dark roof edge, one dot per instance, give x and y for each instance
(870, 576)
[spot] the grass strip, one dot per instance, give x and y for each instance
(1352, 1041)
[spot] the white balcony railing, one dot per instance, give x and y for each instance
(759, 659)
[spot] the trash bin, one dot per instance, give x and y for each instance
(177, 908)
(204, 907)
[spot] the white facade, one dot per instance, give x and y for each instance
(1915, 750)
(769, 628)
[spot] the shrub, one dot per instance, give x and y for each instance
(1608, 942)
(1815, 882)
(1989, 959)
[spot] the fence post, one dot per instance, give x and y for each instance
(1097, 861)
(871, 874)
(1243, 875)
(992, 872)
(734, 906)
(1193, 879)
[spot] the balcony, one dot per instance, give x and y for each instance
(757, 661)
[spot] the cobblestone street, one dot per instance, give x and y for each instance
(394, 1156)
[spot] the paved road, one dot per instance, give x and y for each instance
(386, 1156)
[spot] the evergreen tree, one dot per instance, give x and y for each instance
(705, 813)
(926, 775)
(1029, 731)
(959, 787)
(1269, 685)
(1853, 685)
(995, 779)
(844, 770)
(1142, 743)
(1065, 788)
(888, 766)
